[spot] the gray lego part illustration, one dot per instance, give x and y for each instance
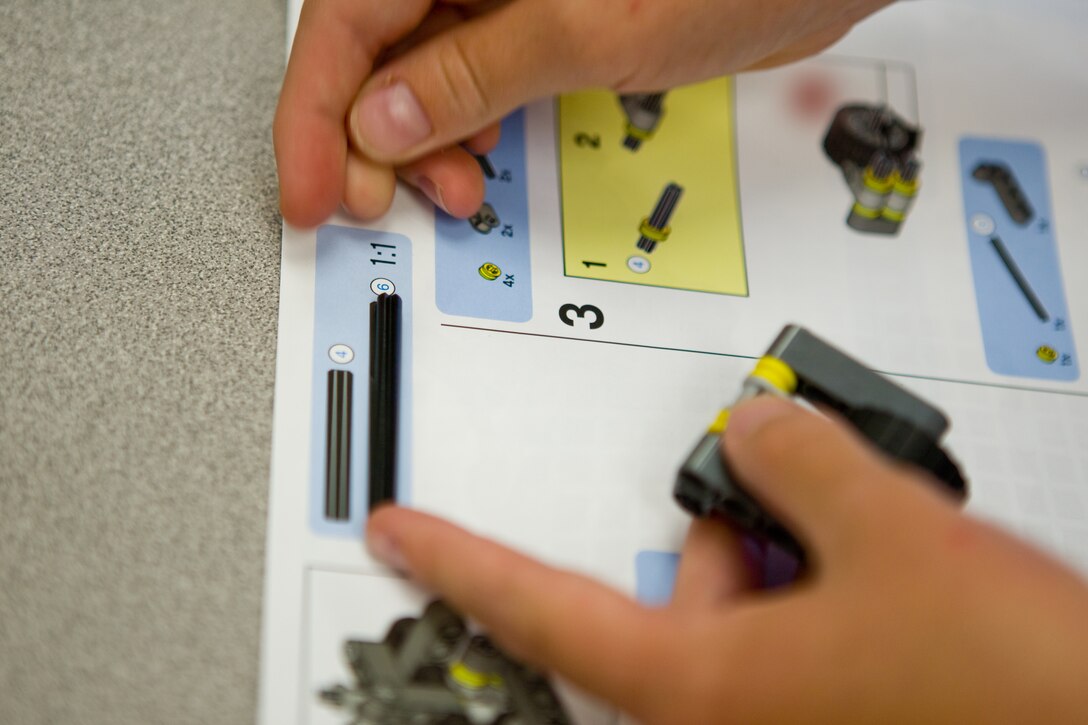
(485, 219)
(434, 671)
(1008, 190)
(893, 419)
(644, 112)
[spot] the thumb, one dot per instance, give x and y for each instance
(823, 482)
(463, 79)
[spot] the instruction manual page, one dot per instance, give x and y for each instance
(561, 352)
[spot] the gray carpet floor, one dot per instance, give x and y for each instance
(139, 258)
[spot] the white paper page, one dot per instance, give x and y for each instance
(525, 423)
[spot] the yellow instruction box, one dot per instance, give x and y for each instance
(649, 188)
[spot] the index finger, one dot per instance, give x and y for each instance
(591, 634)
(334, 50)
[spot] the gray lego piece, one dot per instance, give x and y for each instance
(890, 417)
(833, 378)
(418, 675)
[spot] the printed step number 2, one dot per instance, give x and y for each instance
(587, 140)
(590, 314)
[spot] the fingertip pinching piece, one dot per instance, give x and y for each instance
(800, 365)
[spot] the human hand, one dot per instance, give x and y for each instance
(909, 611)
(375, 86)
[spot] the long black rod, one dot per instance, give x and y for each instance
(1019, 278)
(385, 322)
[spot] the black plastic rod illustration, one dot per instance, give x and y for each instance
(485, 165)
(1020, 279)
(338, 445)
(384, 397)
(655, 228)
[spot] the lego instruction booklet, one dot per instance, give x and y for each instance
(917, 196)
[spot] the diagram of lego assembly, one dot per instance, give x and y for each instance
(868, 109)
(432, 670)
(649, 190)
(1026, 327)
(482, 265)
(876, 150)
(360, 422)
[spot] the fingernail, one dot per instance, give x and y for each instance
(749, 417)
(385, 550)
(433, 192)
(391, 120)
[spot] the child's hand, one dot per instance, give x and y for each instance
(378, 85)
(910, 611)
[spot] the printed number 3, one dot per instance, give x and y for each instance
(568, 312)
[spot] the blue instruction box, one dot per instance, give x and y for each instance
(1025, 322)
(483, 267)
(655, 576)
(353, 266)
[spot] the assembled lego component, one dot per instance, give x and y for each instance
(655, 228)
(800, 364)
(434, 671)
(485, 219)
(644, 112)
(875, 149)
(1008, 191)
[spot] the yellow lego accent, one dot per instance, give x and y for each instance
(865, 211)
(892, 215)
(606, 189)
(776, 373)
(906, 188)
(1047, 354)
(489, 271)
(470, 678)
(719, 423)
(881, 186)
(640, 133)
(658, 235)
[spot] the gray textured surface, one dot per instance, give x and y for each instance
(139, 244)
